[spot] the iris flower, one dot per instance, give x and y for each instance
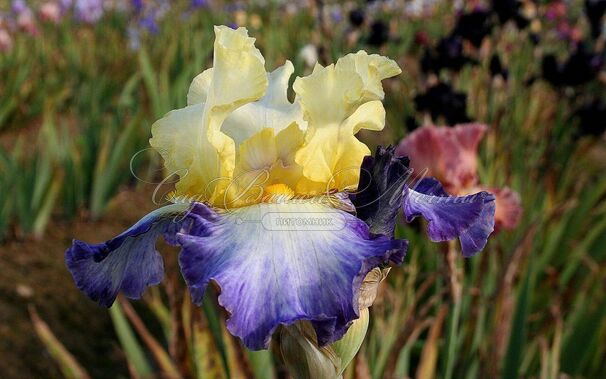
(582, 66)
(595, 10)
(264, 205)
(591, 116)
(356, 18)
(474, 26)
(448, 54)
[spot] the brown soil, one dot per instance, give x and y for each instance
(32, 272)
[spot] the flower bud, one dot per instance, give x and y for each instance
(297, 344)
(347, 347)
(299, 350)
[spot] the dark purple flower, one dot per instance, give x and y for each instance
(592, 118)
(496, 67)
(356, 18)
(421, 38)
(534, 38)
(509, 10)
(379, 34)
(448, 54)
(581, 67)
(595, 10)
(442, 100)
(387, 181)
(551, 69)
(411, 123)
(474, 26)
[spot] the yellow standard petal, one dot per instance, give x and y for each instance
(328, 97)
(336, 101)
(240, 137)
(272, 111)
(198, 90)
(190, 139)
(372, 69)
(256, 156)
(265, 160)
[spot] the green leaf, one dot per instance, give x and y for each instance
(134, 353)
(519, 329)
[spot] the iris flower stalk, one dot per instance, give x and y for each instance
(281, 206)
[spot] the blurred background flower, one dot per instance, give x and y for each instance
(50, 11)
(88, 11)
(6, 42)
(595, 10)
(579, 68)
(441, 100)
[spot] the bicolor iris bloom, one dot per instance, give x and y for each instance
(451, 155)
(265, 205)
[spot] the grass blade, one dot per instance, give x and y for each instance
(134, 353)
(517, 340)
(70, 368)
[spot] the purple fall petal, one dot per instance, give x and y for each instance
(128, 262)
(470, 218)
(271, 275)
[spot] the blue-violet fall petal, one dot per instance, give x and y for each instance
(279, 263)
(470, 218)
(128, 262)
